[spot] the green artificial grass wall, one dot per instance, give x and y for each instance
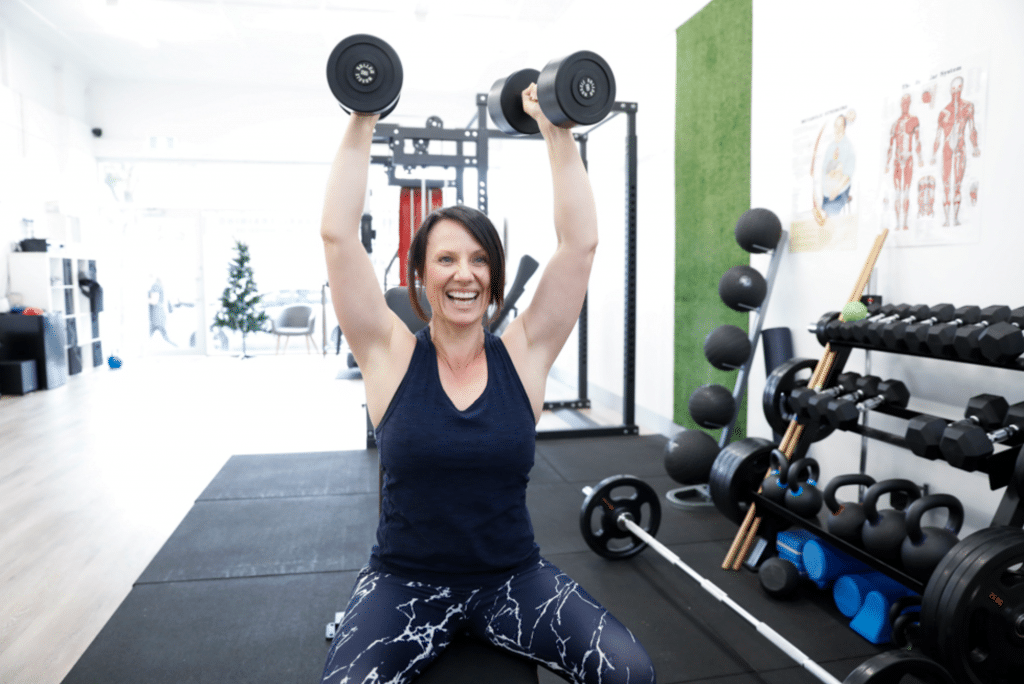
(712, 187)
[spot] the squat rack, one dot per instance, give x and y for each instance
(410, 148)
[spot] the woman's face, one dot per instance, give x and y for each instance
(456, 275)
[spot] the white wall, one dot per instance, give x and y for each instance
(810, 57)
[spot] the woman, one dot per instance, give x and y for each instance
(455, 410)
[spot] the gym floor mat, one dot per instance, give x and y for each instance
(280, 475)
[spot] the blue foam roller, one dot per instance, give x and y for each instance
(872, 620)
(789, 546)
(849, 592)
(824, 563)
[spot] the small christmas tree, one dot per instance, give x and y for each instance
(238, 303)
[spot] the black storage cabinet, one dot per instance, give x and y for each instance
(38, 338)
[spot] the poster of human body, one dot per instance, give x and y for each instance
(826, 195)
(931, 190)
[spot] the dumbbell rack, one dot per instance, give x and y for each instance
(1005, 469)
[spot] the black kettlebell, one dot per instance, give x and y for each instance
(883, 532)
(802, 495)
(924, 547)
(847, 517)
(773, 487)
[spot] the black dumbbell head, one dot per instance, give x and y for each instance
(987, 410)
(1001, 342)
(578, 89)
(895, 393)
(995, 313)
(942, 312)
(964, 444)
(365, 75)
(727, 347)
(758, 230)
(505, 103)
(742, 288)
(924, 434)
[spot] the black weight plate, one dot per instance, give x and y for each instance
(979, 632)
(505, 103)
(786, 377)
(576, 89)
(737, 473)
(365, 74)
(605, 540)
(891, 667)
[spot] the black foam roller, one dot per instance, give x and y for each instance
(778, 347)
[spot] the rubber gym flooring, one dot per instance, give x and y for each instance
(244, 587)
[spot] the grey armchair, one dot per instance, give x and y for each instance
(294, 320)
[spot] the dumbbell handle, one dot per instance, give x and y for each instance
(872, 403)
(1003, 433)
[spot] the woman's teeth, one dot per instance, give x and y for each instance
(462, 296)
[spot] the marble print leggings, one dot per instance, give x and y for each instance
(394, 628)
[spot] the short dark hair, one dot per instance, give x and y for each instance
(482, 230)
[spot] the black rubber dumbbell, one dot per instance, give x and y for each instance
(875, 311)
(1004, 341)
(843, 413)
(965, 341)
(907, 336)
(940, 335)
(873, 334)
(966, 444)
(891, 334)
(894, 313)
(864, 387)
(799, 397)
(924, 434)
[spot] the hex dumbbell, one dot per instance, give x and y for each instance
(843, 413)
(891, 334)
(966, 445)
(904, 336)
(893, 313)
(940, 336)
(966, 339)
(864, 387)
(1002, 342)
(873, 334)
(984, 413)
(924, 434)
(799, 397)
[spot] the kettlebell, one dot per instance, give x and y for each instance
(847, 517)
(883, 532)
(924, 547)
(773, 487)
(802, 495)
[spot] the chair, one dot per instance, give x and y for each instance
(294, 320)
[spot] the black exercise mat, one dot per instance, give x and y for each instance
(594, 458)
(264, 629)
(253, 537)
(283, 475)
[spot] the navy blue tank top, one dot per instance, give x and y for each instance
(454, 500)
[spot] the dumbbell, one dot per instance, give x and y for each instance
(864, 387)
(895, 336)
(924, 434)
(966, 340)
(843, 413)
(578, 89)
(917, 312)
(940, 336)
(966, 444)
(857, 331)
(799, 397)
(875, 312)
(1004, 341)
(365, 75)
(916, 335)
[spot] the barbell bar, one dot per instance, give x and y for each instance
(626, 523)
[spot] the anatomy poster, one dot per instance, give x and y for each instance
(935, 133)
(826, 195)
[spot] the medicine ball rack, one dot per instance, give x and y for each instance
(410, 149)
(972, 617)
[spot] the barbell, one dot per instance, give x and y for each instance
(622, 517)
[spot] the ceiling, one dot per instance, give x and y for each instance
(446, 46)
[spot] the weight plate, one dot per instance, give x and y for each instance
(786, 377)
(978, 629)
(576, 89)
(505, 103)
(365, 74)
(606, 537)
(737, 473)
(891, 667)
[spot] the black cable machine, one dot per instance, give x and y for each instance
(410, 148)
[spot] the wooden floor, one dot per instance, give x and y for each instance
(96, 475)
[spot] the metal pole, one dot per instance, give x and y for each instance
(629, 343)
